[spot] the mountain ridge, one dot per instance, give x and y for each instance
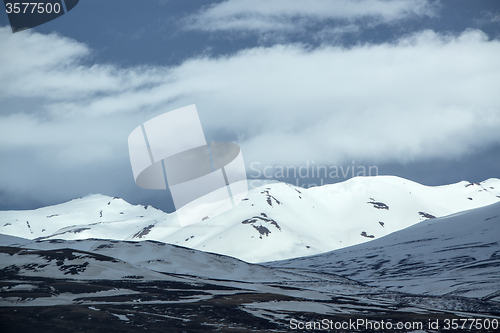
(276, 221)
(458, 255)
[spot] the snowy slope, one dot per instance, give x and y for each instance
(92, 259)
(77, 216)
(276, 221)
(453, 255)
(155, 280)
(65, 262)
(152, 255)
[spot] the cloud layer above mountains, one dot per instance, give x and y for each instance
(422, 96)
(283, 17)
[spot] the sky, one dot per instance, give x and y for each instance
(408, 86)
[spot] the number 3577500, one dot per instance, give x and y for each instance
(32, 7)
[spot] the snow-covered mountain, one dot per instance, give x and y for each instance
(419, 275)
(132, 285)
(152, 255)
(276, 221)
(455, 255)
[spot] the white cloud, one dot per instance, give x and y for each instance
(488, 18)
(293, 16)
(425, 96)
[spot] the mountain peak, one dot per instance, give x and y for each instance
(275, 221)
